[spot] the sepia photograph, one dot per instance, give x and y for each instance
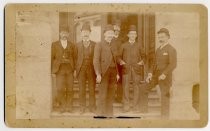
(106, 65)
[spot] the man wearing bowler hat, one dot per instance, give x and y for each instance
(105, 65)
(84, 52)
(163, 65)
(131, 58)
(62, 66)
(117, 27)
(117, 40)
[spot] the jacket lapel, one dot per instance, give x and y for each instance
(60, 45)
(81, 51)
(91, 48)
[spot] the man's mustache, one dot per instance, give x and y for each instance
(64, 37)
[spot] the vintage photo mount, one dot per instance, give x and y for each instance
(10, 65)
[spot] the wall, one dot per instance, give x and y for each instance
(35, 32)
(184, 30)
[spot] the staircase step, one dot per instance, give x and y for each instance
(150, 101)
(91, 115)
(76, 88)
(153, 96)
(154, 110)
(150, 95)
(155, 100)
(120, 105)
(154, 105)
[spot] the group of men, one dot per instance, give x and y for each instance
(109, 63)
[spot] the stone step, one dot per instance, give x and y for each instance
(153, 96)
(119, 105)
(150, 96)
(131, 92)
(153, 112)
(76, 82)
(154, 100)
(90, 115)
(154, 106)
(150, 103)
(76, 89)
(151, 109)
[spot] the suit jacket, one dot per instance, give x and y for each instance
(131, 55)
(165, 62)
(117, 41)
(57, 57)
(79, 54)
(103, 56)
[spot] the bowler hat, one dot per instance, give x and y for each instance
(63, 28)
(132, 28)
(108, 27)
(116, 22)
(86, 27)
(164, 30)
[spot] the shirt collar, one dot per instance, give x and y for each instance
(88, 39)
(131, 42)
(86, 43)
(116, 36)
(109, 43)
(63, 41)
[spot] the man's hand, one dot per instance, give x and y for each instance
(53, 75)
(98, 79)
(149, 77)
(117, 77)
(122, 62)
(141, 62)
(162, 77)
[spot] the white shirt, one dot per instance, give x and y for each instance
(131, 42)
(64, 43)
(116, 36)
(86, 43)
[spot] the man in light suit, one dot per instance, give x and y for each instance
(84, 52)
(161, 73)
(105, 65)
(62, 67)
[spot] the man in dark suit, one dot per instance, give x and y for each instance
(132, 62)
(117, 40)
(84, 52)
(62, 66)
(105, 58)
(164, 63)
